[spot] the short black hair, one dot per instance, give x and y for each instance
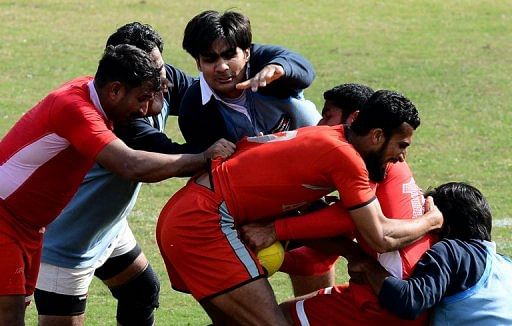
(386, 110)
(209, 26)
(348, 97)
(140, 35)
(466, 212)
(129, 65)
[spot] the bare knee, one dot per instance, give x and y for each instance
(45, 320)
(12, 310)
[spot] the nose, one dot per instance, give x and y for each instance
(221, 65)
(402, 155)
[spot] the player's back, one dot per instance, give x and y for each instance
(273, 174)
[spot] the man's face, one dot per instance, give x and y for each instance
(331, 115)
(223, 68)
(391, 151)
(131, 103)
(155, 107)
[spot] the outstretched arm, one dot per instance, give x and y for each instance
(153, 167)
(384, 234)
(326, 222)
(266, 75)
(288, 71)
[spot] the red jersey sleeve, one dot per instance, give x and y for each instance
(348, 173)
(326, 222)
(77, 120)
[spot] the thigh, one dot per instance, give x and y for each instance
(124, 242)
(121, 269)
(125, 262)
(12, 310)
(200, 246)
(19, 263)
(253, 303)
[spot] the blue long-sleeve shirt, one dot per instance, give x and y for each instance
(204, 123)
(452, 276)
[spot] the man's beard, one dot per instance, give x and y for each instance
(375, 166)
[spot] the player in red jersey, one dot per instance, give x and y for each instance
(46, 154)
(310, 269)
(341, 104)
(268, 177)
(398, 195)
(356, 304)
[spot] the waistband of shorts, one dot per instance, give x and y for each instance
(210, 193)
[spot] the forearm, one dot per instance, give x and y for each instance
(400, 233)
(323, 223)
(147, 166)
(298, 72)
(340, 246)
(154, 167)
(384, 234)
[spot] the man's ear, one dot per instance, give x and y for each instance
(352, 116)
(198, 65)
(247, 54)
(377, 136)
(115, 90)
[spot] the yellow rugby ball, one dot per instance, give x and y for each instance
(271, 257)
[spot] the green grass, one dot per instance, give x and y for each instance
(452, 58)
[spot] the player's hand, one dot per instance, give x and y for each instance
(435, 215)
(267, 75)
(220, 149)
(258, 236)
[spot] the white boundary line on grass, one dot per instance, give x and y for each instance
(502, 222)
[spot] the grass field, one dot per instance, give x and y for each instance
(451, 58)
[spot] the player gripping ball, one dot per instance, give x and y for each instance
(271, 257)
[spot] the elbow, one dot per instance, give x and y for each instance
(308, 80)
(382, 245)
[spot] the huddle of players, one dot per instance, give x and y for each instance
(239, 206)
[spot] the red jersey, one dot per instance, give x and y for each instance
(45, 156)
(353, 303)
(285, 171)
(401, 198)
